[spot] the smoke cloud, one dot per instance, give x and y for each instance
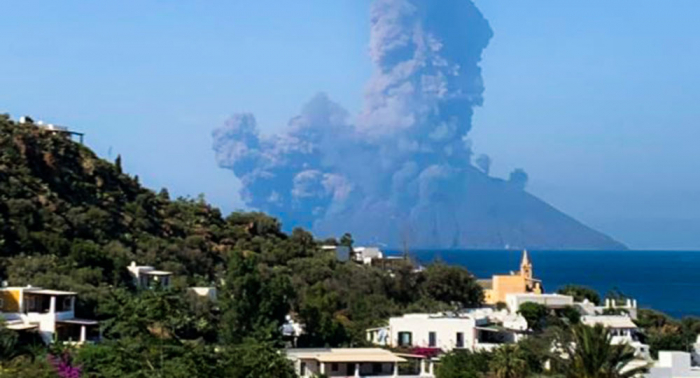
(400, 171)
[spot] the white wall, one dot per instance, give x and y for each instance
(673, 365)
(514, 301)
(445, 328)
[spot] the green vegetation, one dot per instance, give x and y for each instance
(664, 333)
(463, 364)
(72, 221)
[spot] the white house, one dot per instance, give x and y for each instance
(365, 255)
(51, 313)
(358, 362)
(473, 330)
(673, 365)
(552, 301)
(147, 276)
(623, 331)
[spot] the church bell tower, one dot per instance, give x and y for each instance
(526, 266)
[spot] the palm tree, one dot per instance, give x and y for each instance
(508, 362)
(590, 354)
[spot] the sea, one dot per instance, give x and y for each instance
(668, 281)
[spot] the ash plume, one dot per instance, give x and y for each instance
(400, 171)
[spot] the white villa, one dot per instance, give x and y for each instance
(147, 276)
(51, 313)
(481, 329)
(623, 331)
(358, 362)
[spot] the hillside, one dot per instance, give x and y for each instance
(72, 221)
(58, 198)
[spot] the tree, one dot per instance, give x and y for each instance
(508, 362)
(590, 354)
(571, 314)
(463, 364)
(535, 314)
(253, 304)
(118, 164)
(581, 293)
(452, 285)
(321, 324)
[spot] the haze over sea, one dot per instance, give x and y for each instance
(667, 281)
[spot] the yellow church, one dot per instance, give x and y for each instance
(496, 289)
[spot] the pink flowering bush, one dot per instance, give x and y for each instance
(64, 366)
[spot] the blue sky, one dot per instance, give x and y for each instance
(596, 100)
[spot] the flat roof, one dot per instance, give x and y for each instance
(157, 273)
(49, 292)
(609, 321)
(79, 321)
(345, 355)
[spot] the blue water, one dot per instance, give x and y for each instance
(668, 281)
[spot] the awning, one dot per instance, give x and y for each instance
(84, 322)
(358, 358)
(491, 329)
(407, 355)
(21, 326)
(50, 292)
(157, 273)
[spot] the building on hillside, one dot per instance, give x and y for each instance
(291, 330)
(358, 362)
(50, 313)
(673, 365)
(551, 301)
(366, 255)
(61, 130)
(499, 286)
(482, 329)
(147, 276)
(623, 331)
(208, 292)
(626, 306)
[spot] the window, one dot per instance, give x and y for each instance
(405, 339)
(460, 340)
(334, 367)
(66, 304)
(302, 369)
(376, 368)
(432, 339)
